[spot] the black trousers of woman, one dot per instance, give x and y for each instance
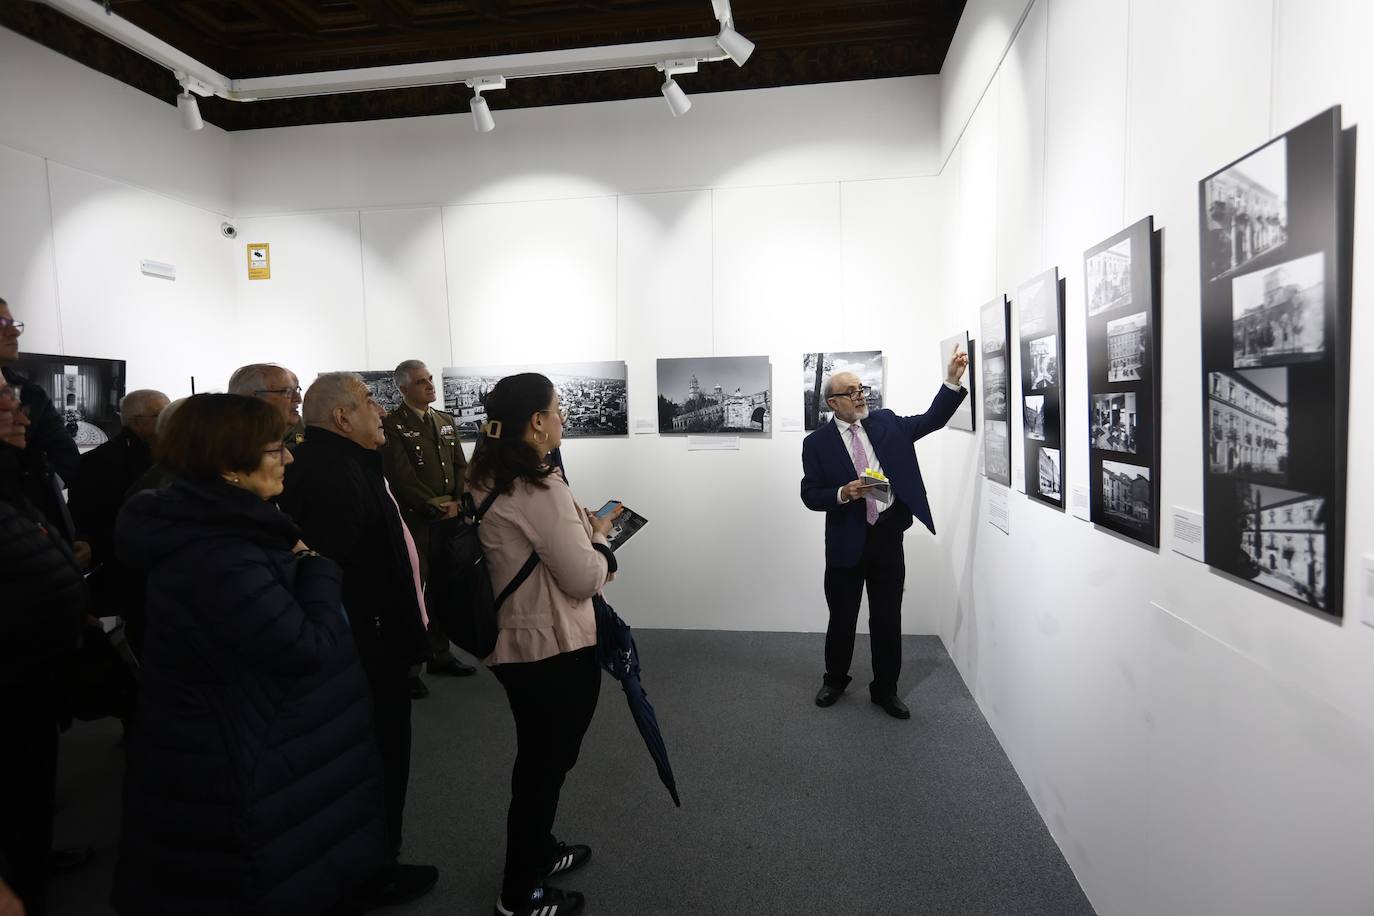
(28, 785)
(553, 701)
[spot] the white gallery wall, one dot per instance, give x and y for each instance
(1195, 747)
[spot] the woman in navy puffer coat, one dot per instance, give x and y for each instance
(253, 781)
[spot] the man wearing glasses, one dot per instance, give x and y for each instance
(863, 534)
(51, 449)
(277, 386)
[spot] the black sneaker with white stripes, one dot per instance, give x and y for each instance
(545, 901)
(568, 858)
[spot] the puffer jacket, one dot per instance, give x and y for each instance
(253, 782)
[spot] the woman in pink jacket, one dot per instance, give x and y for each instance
(545, 653)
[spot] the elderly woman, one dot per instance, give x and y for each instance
(545, 653)
(42, 602)
(253, 783)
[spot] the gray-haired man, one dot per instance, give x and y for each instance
(277, 386)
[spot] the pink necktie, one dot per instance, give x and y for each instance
(414, 557)
(861, 465)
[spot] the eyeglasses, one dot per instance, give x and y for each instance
(561, 411)
(284, 392)
(854, 394)
(11, 323)
(278, 450)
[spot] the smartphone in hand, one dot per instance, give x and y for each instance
(606, 510)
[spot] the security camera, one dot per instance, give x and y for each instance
(228, 230)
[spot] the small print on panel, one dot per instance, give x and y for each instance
(817, 367)
(86, 391)
(1275, 286)
(963, 417)
(594, 394)
(994, 318)
(1122, 306)
(1040, 314)
(715, 394)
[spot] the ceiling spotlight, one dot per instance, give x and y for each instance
(481, 114)
(736, 46)
(189, 110)
(677, 99)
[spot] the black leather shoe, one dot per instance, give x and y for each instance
(401, 884)
(827, 695)
(892, 706)
(452, 668)
(418, 690)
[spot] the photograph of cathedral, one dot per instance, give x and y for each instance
(86, 392)
(594, 395)
(817, 367)
(714, 394)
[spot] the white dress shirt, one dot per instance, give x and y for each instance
(868, 447)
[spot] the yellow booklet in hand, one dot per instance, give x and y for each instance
(877, 486)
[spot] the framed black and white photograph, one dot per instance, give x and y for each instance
(1277, 312)
(994, 320)
(1245, 210)
(85, 390)
(594, 394)
(382, 385)
(1123, 388)
(1040, 326)
(714, 394)
(1050, 481)
(1108, 273)
(1127, 496)
(1276, 253)
(963, 417)
(817, 367)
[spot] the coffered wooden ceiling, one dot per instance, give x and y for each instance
(798, 42)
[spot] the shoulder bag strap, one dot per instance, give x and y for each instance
(519, 579)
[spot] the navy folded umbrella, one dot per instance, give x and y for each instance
(616, 650)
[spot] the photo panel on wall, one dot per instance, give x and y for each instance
(1121, 299)
(594, 395)
(1275, 281)
(994, 320)
(963, 417)
(1040, 326)
(817, 368)
(715, 394)
(381, 384)
(85, 390)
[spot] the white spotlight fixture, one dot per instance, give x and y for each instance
(481, 114)
(736, 46)
(678, 102)
(188, 109)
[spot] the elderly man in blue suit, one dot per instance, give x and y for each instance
(863, 536)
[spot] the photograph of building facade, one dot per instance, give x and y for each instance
(994, 386)
(1033, 303)
(86, 391)
(1114, 422)
(1126, 348)
(818, 367)
(714, 394)
(1247, 423)
(1109, 278)
(1283, 535)
(1279, 314)
(1050, 484)
(1044, 362)
(1247, 209)
(997, 451)
(1033, 416)
(1126, 492)
(382, 385)
(594, 394)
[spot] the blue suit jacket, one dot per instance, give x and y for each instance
(827, 466)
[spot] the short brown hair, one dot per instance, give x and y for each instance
(211, 434)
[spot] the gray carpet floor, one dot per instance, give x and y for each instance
(787, 808)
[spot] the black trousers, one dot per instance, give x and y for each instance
(882, 567)
(391, 720)
(28, 790)
(553, 701)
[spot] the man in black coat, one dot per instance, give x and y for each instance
(336, 492)
(51, 449)
(42, 603)
(107, 473)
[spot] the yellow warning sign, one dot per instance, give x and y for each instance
(259, 261)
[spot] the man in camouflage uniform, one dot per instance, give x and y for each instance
(424, 464)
